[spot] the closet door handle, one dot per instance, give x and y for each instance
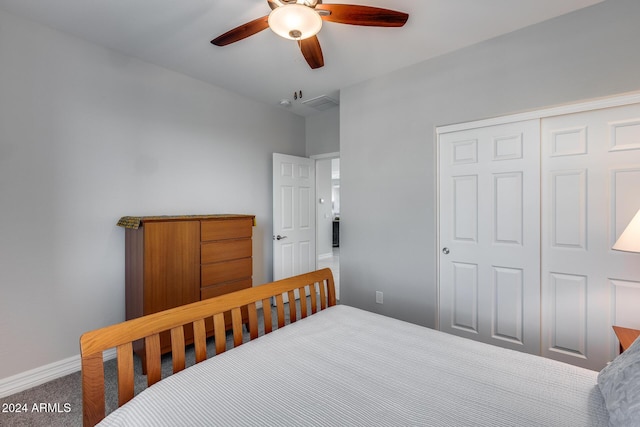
(445, 251)
(279, 237)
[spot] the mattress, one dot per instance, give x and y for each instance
(348, 367)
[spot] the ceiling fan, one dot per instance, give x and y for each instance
(301, 20)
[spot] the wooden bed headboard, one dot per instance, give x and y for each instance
(122, 335)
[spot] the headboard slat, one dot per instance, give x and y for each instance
(314, 298)
(292, 306)
(253, 321)
(303, 301)
(153, 359)
(268, 322)
(177, 348)
(280, 310)
(236, 322)
(125, 373)
(323, 297)
(200, 340)
(220, 333)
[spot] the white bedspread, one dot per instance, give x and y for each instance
(348, 367)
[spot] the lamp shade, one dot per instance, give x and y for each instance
(629, 240)
(295, 21)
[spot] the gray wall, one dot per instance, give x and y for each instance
(322, 132)
(88, 135)
(387, 139)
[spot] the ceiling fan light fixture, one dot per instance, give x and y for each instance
(295, 21)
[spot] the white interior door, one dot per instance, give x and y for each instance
(489, 216)
(294, 216)
(591, 190)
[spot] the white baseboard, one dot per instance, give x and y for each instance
(43, 374)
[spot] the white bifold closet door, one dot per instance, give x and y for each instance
(528, 213)
(590, 191)
(489, 215)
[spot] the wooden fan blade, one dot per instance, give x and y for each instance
(363, 15)
(312, 52)
(274, 4)
(242, 32)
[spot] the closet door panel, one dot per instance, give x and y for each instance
(625, 188)
(568, 209)
(489, 234)
(625, 297)
(465, 297)
(625, 134)
(508, 284)
(590, 181)
(508, 221)
(465, 208)
(569, 312)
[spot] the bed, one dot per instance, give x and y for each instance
(337, 365)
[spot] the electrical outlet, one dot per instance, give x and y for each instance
(378, 297)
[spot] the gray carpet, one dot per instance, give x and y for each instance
(62, 398)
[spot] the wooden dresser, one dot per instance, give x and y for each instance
(176, 260)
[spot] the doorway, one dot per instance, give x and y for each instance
(328, 214)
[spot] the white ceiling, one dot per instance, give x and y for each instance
(176, 34)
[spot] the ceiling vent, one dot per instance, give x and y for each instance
(321, 103)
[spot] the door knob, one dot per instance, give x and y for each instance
(279, 237)
(445, 251)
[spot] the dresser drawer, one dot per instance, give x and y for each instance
(225, 250)
(228, 229)
(227, 271)
(225, 288)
